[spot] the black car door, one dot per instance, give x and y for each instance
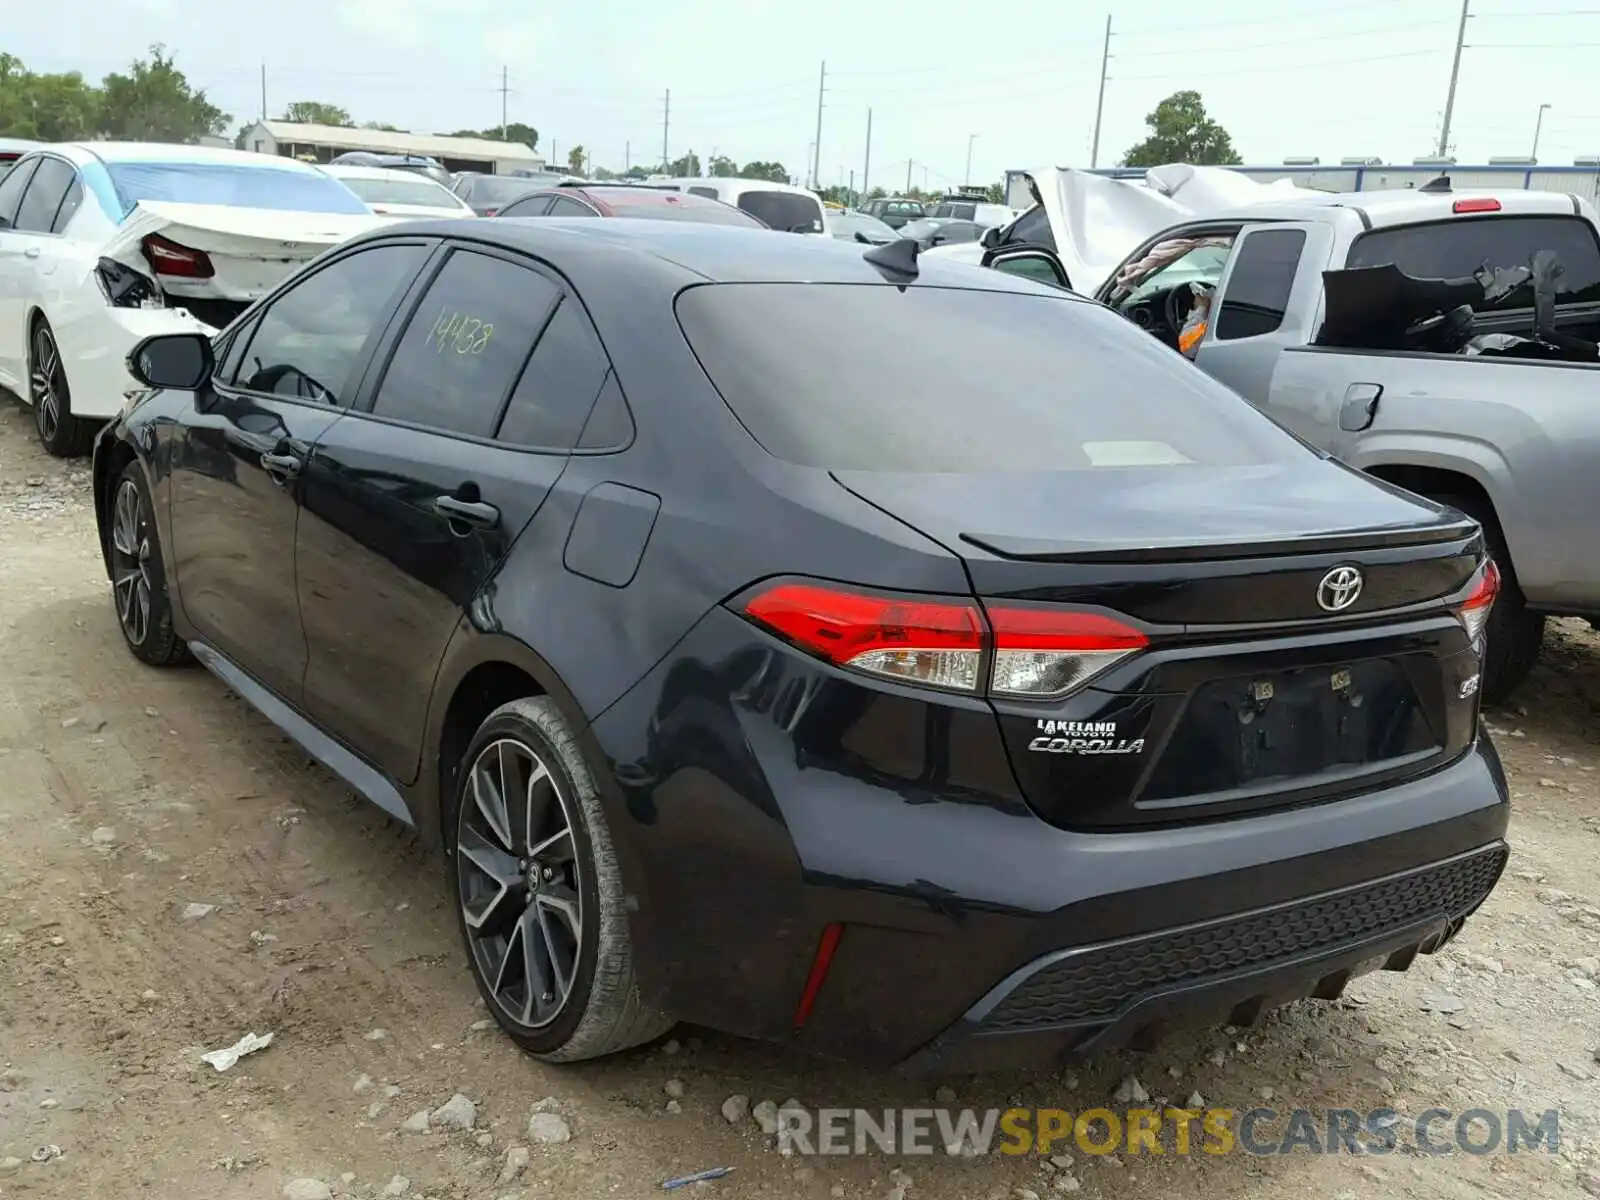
(465, 423)
(287, 375)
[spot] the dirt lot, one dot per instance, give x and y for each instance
(129, 795)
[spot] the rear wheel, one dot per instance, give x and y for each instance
(1515, 634)
(539, 895)
(61, 433)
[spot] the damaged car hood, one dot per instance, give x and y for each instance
(249, 250)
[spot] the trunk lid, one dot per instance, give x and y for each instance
(416, 212)
(1249, 693)
(247, 251)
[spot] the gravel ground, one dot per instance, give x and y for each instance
(174, 875)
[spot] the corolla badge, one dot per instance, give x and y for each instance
(1339, 589)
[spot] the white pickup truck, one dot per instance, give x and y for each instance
(1442, 341)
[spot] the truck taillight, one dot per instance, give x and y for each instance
(1033, 653)
(167, 257)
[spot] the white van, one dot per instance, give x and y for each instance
(781, 205)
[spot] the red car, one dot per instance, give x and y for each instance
(628, 200)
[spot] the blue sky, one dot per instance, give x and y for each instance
(1331, 78)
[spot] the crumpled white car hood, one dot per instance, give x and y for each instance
(1098, 221)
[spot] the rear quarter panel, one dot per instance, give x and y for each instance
(1524, 432)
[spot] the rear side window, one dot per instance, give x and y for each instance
(48, 188)
(465, 345)
(1258, 290)
(11, 189)
(870, 378)
(786, 211)
(566, 206)
(553, 398)
(531, 206)
(1460, 247)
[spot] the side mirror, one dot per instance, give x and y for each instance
(991, 237)
(1029, 262)
(183, 361)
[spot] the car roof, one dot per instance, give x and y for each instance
(1399, 206)
(591, 253)
(166, 154)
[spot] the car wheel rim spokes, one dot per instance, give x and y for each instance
(46, 390)
(520, 883)
(130, 562)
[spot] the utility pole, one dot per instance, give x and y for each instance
(1455, 73)
(851, 196)
(263, 89)
(627, 157)
(816, 153)
(1538, 127)
(966, 180)
(1100, 104)
(908, 176)
(505, 90)
(666, 124)
(866, 167)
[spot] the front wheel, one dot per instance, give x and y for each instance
(538, 892)
(61, 433)
(138, 578)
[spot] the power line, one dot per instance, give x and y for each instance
(1306, 66)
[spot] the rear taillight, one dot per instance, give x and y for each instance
(1474, 611)
(166, 257)
(1041, 652)
(936, 643)
(1031, 653)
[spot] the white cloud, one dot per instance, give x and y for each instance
(407, 24)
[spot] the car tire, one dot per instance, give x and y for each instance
(1515, 634)
(138, 573)
(61, 433)
(516, 880)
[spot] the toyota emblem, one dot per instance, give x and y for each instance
(1339, 589)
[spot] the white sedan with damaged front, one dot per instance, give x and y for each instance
(105, 243)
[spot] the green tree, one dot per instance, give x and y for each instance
(315, 112)
(722, 167)
(575, 158)
(155, 102)
(379, 125)
(1180, 132)
(636, 173)
(997, 193)
(773, 171)
(516, 131)
(50, 108)
(687, 167)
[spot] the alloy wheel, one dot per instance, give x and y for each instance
(130, 562)
(519, 882)
(47, 383)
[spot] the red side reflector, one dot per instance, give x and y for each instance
(1474, 206)
(166, 257)
(826, 947)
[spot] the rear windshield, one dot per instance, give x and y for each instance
(1455, 249)
(656, 206)
(961, 212)
(498, 189)
(872, 378)
(402, 191)
(235, 187)
(787, 211)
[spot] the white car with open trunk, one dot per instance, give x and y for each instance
(104, 243)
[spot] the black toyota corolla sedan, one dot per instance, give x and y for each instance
(899, 659)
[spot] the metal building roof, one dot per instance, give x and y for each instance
(386, 141)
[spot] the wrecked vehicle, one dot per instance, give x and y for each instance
(1440, 341)
(104, 243)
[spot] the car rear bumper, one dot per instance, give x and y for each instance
(759, 800)
(1087, 1000)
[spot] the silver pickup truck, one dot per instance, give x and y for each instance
(1442, 341)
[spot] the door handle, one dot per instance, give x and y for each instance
(31, 252)
(469, 512)
(1360, 406)
(282, 467)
